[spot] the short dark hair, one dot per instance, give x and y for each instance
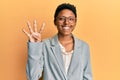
(65, 6)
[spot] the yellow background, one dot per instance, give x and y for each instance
(98, 24)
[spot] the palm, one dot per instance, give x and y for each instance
(34, 36)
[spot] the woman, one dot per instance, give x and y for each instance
(62, 57)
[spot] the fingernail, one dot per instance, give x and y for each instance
(35, 21)
(43, 23)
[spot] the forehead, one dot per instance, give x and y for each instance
(66, 13)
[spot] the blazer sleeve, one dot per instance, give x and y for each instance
(87, 75)
(35, 61)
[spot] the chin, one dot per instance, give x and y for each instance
(66, 34)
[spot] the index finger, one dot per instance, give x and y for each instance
(42, 27)
(29, 26)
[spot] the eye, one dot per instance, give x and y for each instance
(61, 18)
(71, 19)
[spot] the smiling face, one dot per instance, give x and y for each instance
(65, 22)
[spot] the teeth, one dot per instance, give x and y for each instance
(66, 28)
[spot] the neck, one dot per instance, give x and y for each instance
(65, 38)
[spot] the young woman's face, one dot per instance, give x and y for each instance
(65, 22)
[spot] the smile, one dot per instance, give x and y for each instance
(66, 28)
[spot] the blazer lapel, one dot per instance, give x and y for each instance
(76, 57)
(58, 53)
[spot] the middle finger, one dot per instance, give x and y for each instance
(35, 26)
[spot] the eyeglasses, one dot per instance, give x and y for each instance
(69, 19)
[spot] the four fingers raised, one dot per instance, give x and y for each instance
(34, 35)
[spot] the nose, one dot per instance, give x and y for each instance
(66, 21)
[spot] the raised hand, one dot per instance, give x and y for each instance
(34, 35)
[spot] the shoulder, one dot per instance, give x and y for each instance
(82, 45)
(46, 41)
(81, 42)
(50, 41)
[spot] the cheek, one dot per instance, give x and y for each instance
(58, 24)
(73, 25)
